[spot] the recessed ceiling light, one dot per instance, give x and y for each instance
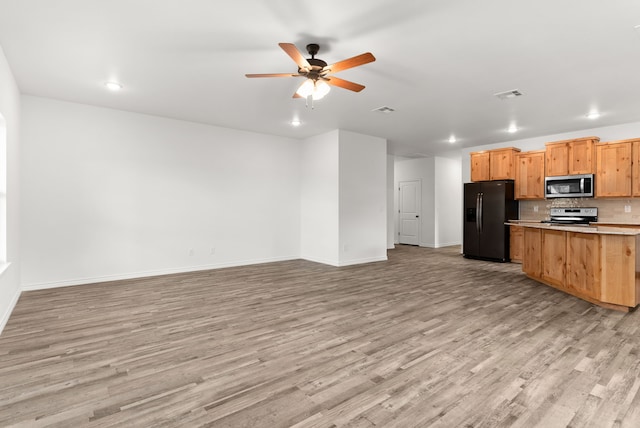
(113, 86)
(593, 115)
(295, 122)
(452, 139)
(512, 128)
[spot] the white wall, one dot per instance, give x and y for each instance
(391, 236)
(448, 202)
(344, 198)
(10, 273)
(363, 198)
(319, 199)
(109, 194)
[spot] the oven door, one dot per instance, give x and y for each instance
(570, 186)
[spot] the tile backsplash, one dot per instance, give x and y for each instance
(609, 209)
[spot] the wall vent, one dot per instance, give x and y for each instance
(508, 94)
(384, 109)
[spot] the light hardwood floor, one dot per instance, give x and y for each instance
(427, 339)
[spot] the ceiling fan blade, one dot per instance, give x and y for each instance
(273, 75)
(295, 55)
(332, 80)
(350, 62)
(295, 95)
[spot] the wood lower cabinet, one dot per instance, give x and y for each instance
(583, 267)
(619, 268)
(554, 253)
(532, 252)
(602, 268)
(516, 247)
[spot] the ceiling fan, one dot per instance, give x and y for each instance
(319, 75)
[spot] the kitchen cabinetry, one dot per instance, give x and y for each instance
(515, 243)
(598, 264)
(613, 169)
(480, 166)
(529, 179)
(496, 164)
(582, 267)
(532, 252)
(635, 167)
(570, 157)
(554, 252)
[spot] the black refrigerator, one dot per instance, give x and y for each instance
(487, 206)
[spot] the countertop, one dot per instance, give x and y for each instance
(592, 228)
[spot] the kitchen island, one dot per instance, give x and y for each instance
(599, 264)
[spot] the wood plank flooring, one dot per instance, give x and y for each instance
(427, 339)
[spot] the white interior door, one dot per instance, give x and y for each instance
(409, 212)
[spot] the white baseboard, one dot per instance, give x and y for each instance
(143, 274)
(447, 244)
(361, 261)
(12, 304)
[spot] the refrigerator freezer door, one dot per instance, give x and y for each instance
(471, 228)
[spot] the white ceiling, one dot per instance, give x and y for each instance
(439, 62)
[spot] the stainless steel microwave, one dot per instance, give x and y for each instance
(569, 186)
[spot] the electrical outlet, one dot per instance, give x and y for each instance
(535, 208)
(191, 252)
(213, 251)
(627, 208)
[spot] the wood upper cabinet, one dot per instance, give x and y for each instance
(529, 178)
(499, 164)
(613, 169)
(635, 167)
(554, 255)
(583, 264)
(570, 157)
(502, 163)
(480, 166)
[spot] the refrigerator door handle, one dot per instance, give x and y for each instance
(480, 211)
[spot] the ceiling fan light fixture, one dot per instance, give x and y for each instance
(317, 89)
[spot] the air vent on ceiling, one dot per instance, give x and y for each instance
(508, 94)
(384, 109)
